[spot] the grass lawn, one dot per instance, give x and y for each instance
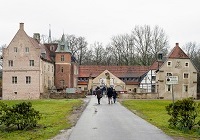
(55, 114)
(154, 112)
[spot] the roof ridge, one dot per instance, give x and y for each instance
(177, 52)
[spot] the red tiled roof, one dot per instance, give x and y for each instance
(119, 71)
(177, 52)
(156, 65)
(42, 47)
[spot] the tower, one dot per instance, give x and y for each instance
(63, 65)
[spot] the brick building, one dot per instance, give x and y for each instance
(66, 69)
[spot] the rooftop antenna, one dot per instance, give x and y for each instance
(49, 38)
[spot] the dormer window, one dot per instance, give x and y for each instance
(62, 47)
(43, 55)
(160, 56)
(51, 48)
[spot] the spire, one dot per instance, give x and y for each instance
(49, 38)
(63, 38)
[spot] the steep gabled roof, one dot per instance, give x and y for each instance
(177, 53)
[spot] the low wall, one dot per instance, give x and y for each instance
(62, 95)
(138, 96)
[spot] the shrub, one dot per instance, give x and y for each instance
(21, 115)
(183, 114)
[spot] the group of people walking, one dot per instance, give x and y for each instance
(111, 94)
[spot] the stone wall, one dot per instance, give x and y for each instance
(62, 95)
(138, 96)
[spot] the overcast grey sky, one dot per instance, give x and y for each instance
(99, 20)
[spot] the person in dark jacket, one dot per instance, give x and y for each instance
(98, 94)
(114, 95)
(109, 94)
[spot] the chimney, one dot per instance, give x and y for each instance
(36, 36)
(21, 26)
(177, 44)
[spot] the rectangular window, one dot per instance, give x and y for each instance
(185, 75)
(185, 88)
(48, 67)
(169, 87)
(62, 58)
(27, 49)
(169, 63)
(153, 78)
(31, 62)
(186, 64)
(169, 74)
(14, 79)
(28, 79)
(153, 88)
(15, 49)
(10, 63)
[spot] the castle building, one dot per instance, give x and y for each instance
(31, 69)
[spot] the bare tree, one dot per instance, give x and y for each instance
(88, 57)
(191, 49)
(123, 49)
(1, 55)
(99, 53)
(149, 42)
(77, 46)
(159, 42)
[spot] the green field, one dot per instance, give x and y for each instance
(55, 114)
(154, 112)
